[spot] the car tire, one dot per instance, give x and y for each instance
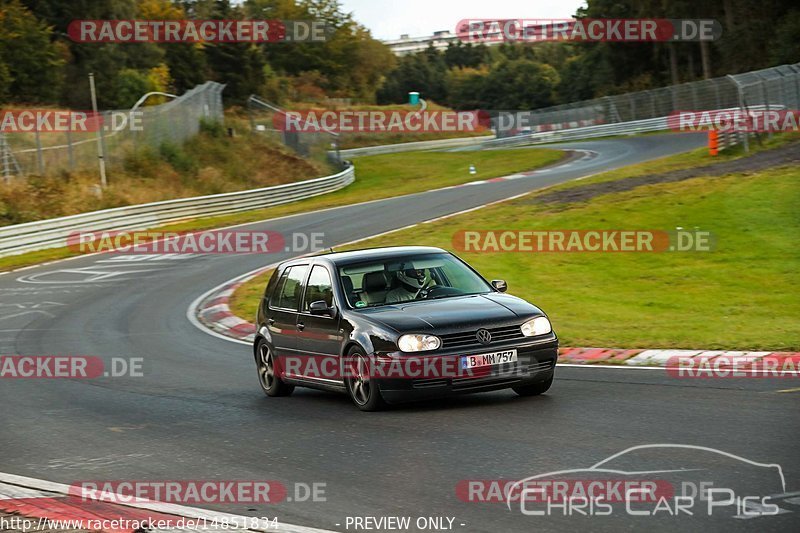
(534, 389)
(270, 383)
(363, 391)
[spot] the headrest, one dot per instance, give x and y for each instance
(375, 281)
(347, 284)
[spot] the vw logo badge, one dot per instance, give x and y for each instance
(483, 336)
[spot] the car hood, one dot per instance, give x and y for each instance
(456, 313)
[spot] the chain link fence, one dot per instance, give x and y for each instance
(123, 133)
(771, 88)
(265, 118)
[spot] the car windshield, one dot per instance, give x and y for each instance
(396, 280)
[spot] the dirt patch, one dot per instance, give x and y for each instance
(785, 155)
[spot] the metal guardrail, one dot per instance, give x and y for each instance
(53, 233)
(414, 146)
(631, 127)
(587, 132)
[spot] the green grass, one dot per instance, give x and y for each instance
(739, 296)
(380, 176)
(244, 301)
(395, 174)
(693, 158)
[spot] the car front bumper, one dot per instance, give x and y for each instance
(535, 363)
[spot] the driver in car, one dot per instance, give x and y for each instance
(412, 281)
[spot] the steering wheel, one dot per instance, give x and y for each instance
(424, 286)
(442, 290)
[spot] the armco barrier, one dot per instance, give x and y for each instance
(413, 146)
(586, 132)
(633, 127)
(53, 233)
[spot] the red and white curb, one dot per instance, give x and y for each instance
(211, 312)
(664, 358)
(45, 502)
(214, 314)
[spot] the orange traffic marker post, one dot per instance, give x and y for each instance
(713, 142)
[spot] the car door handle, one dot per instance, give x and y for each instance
(301, 326)
(271, 321)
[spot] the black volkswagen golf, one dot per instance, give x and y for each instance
(388, 325)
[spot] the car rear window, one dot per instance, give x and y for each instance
(289, 288)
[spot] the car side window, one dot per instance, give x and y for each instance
(319, 287)
(289, 288)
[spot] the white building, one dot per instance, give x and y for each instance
(410, 45)
(493, 35)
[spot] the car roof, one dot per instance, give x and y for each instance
(367, 254)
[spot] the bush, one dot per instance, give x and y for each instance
(212, 127)
(176, 157)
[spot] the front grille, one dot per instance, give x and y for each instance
(507, 373)
(468, 339)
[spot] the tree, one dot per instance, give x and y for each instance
(187, 65)
(5, 82)
(424, 72)
(240, 65)
(466, 88)
(32, 68)
(785, 47)
(520, 84)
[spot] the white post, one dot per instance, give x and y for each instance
(100, 156)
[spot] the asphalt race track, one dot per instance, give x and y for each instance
(198, 412)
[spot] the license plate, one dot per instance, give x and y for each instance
(489, 359)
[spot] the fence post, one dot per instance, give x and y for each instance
(5, 151)
(70, 154)
(796, 74)
(743, 107)
(765, 97)
(100, 148)
(652, 104)
(39, 155)
(106, 158)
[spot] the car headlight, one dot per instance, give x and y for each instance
(536, 326)
(418, 343)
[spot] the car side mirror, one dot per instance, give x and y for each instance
(320, 308)
(500, 285)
